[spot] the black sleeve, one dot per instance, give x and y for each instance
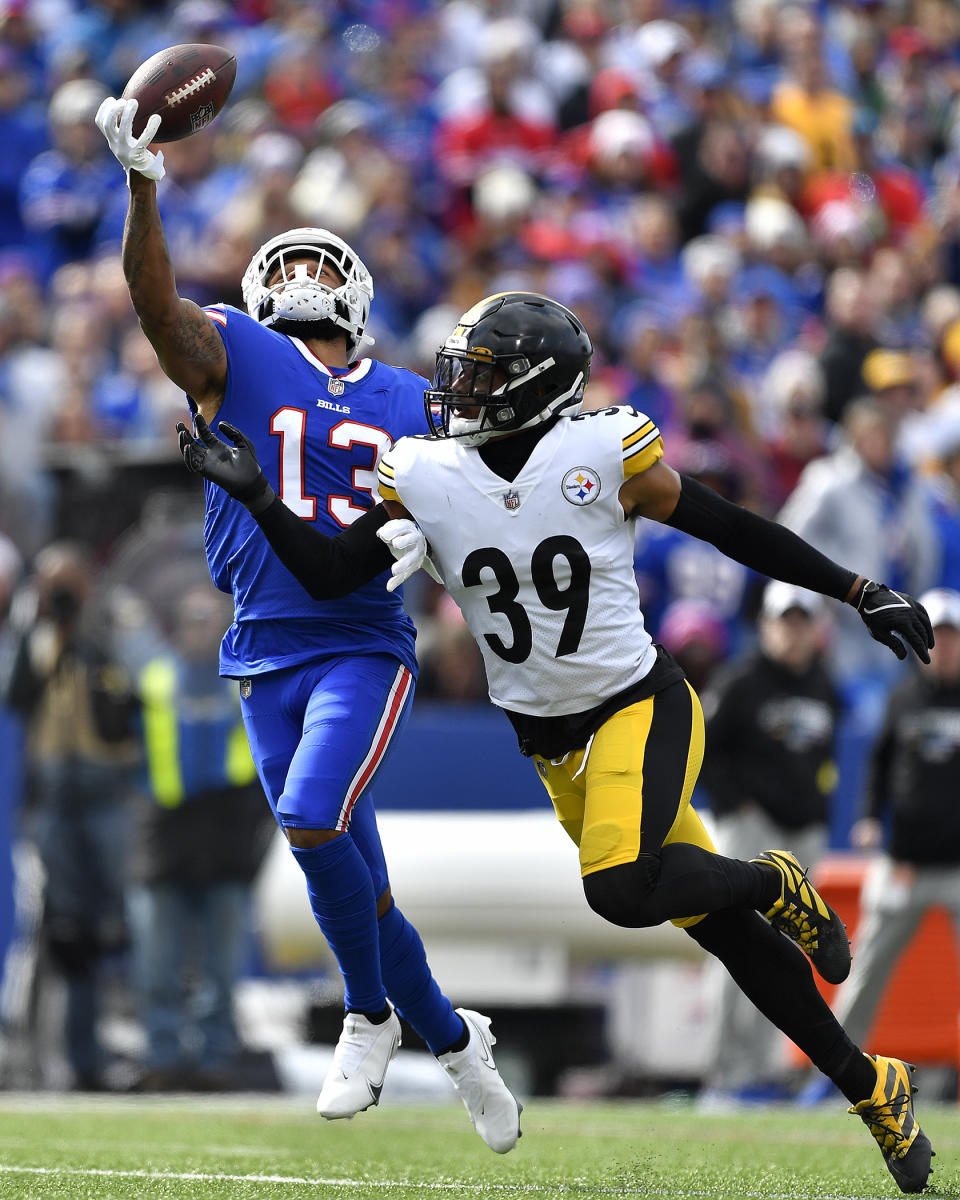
(760, 544)
(328, 567)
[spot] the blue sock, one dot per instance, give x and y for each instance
(412, 989)
(343, 902)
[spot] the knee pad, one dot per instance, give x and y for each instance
(622, 894)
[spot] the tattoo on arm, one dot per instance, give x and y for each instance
(146, 258)
(187, 346)
(194, 337)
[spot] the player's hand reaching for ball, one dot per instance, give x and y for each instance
(114, 119)
(234, 468)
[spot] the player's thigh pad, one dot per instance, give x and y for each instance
(353, 713)
(630, 788)
(273, 718)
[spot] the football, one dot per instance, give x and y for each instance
(187, 85)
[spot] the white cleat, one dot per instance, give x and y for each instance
(355, 1080)
(494, 1111)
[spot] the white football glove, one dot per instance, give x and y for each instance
(114, 120)
(407, 545)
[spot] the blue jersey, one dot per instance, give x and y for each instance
(318, 435)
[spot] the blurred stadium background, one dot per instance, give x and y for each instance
(754, 205)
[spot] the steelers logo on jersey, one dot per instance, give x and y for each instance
(581, 486)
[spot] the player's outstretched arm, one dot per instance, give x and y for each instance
(327, 567)
(893, 618)
(188, 347)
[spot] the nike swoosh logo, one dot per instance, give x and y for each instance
(485, 1056)
(884, 607)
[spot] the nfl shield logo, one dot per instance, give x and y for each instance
(335, 386)
(511, 500)
(246, 687)
(201, 117)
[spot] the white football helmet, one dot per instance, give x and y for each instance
(305, 297)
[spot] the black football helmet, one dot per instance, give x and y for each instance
(513, 361)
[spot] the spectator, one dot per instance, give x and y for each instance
(770, 717)
(11, 747)
(23, 131)
(714, 169)
(788, 410)
(862, 502)
(66, 190)
(845, 231)
(850, 315)
(496, 112)
(653, 246)
(297, 88)
(697, 639)
(754, 52)
(710, 266)
(891, 376)
(621, 153)
(32, 379)
(775, 233)
(782, 160)
(451, 666)
(671, 567)
(943, 484)
(910, 809)
(344, 178)
(201, 827)
(940, 308)
(895, 288)
(805, 101)
(661, 48)
(644, 344)
(79, 709)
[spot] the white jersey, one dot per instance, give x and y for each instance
(542, 568)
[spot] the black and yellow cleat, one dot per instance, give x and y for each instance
(804, 916)
(888, 1114)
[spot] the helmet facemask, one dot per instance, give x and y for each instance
(476, 397)
(299, 300)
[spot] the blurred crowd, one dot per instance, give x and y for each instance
(754, 206)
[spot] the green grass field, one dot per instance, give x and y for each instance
(252, 1146)
(267, 1147)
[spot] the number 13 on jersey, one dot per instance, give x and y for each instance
(290, 424)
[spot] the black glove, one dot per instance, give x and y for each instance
(887, 613)
(234, 468)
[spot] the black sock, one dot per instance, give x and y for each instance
(460, 1043)
(770, 886)
(376, 1018)
(773, 973)
(856, 1078)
